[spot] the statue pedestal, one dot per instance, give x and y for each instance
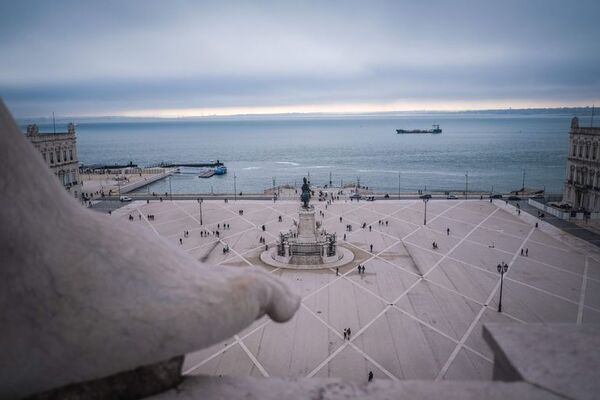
(308, 246)
(307, 228)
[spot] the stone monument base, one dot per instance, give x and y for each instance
(343, 257)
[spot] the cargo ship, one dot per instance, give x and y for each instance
(436, 129)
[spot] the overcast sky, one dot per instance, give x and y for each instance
(196, 58)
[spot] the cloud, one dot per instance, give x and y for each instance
(114, 57)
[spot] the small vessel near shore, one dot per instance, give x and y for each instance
(220, 170)
(436, 129)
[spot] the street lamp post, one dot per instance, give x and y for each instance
(234, 187)
(425, 200)
(467, 185)
(170, 188)
(200, 205)
(502, 268)
(398, 185)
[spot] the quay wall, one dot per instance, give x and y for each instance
(146, 181)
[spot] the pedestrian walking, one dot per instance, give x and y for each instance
(370, 376)
(371, 248)
(448, 231)
(348, 332)
(344, 236)
(180, 241)
(345, 333)
(536, 224)
(340, 220)
(521, 251)
(369, 228)
(337, 271)
(527, 252)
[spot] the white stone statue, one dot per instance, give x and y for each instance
(82, 297)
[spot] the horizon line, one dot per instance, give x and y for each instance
(166, 115)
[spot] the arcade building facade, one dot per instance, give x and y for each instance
(59, 151)
(582, 184)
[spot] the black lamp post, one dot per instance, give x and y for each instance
(502, 268)
(200, 205)
(425, 200)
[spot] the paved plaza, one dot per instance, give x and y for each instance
(416, 312)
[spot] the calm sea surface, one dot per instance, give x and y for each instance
(494, 149)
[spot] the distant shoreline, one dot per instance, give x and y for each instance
(551, 111)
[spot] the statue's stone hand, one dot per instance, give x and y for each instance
(266, 295)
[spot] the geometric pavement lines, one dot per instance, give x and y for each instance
(478, 317)
(329, 358)
(253, 359)
(583, 306)
(388, 306)
(460, 344)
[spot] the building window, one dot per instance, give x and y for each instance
(574, 149)
(44, 154)
(65, 155)
(58, 156)
(51, 158)
(580, 150)
(587, 150)
(71, 154)
(594, 151)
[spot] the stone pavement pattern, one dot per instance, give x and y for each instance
(416, 313)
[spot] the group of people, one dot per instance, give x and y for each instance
(361, 269)
(381, 222)
(131, 217)
(347, 333)
(262, 240)
(434, 245)
(526, 254)
(225, 226)
(348, 228)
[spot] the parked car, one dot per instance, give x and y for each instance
(425, 196)
(514, 198)
(451, 197)
(125, 198)
(537, 196)
(355, 196)
(495, 196)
